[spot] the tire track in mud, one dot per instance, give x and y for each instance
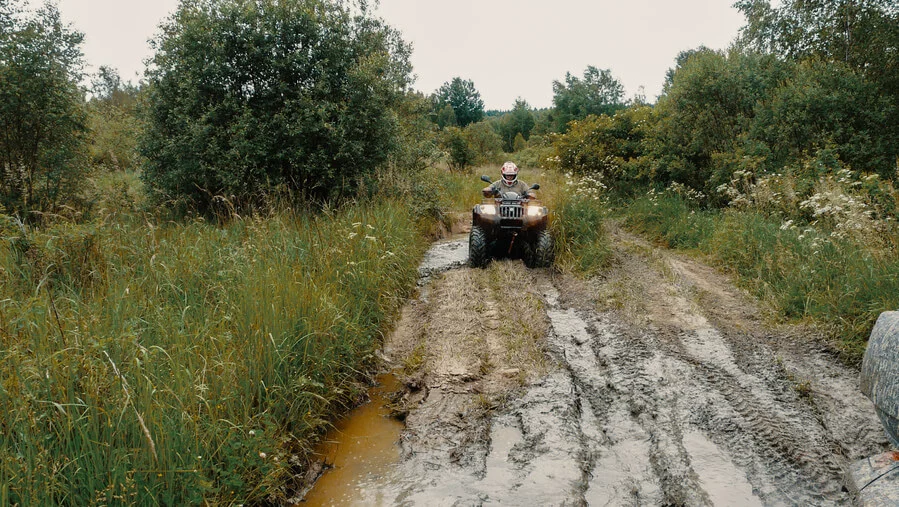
(675, 394)
(784, 463)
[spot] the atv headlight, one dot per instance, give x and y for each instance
(488, 209)
(536, 211)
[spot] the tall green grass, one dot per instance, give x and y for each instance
(148, 361)
(807, 274)
(581, 241)
(175, 363)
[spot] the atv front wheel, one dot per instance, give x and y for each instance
(543, 250)
(477, 248)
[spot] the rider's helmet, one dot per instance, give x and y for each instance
(510, 173)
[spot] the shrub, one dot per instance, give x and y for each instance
(249, 97)
(42, 114)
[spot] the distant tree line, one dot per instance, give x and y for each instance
(808, 89)
(230, 111)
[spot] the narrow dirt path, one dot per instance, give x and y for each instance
(659, 384)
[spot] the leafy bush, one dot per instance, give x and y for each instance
(462, 99)
(577, 225)
(459, 154)
(248, 97)
(608, 147)
(596, 94)
(417, 140)
(476, 144)
(42, 114)
(484, 142)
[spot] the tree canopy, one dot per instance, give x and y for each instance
(464, 99)
(518, 122)
(597, 93)
(42, 115)
(252, 96)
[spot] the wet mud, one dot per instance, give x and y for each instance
(656, 384)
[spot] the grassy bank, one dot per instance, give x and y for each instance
(806, 273)
(179, 363)
(149, 361)
(578, 212)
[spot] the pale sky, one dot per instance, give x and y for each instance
(509, 48)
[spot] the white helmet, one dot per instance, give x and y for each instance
(510, 173)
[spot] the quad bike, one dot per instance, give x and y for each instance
(510, 225)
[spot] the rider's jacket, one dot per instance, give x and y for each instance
(519, 187)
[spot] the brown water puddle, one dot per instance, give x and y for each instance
(361, 449)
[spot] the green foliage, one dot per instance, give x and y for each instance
(484, 142)
(250, 97)
(519, 143)
(581, 242)
(833, 36)
(708, 110)
(459, 155)
(862, 34)
(477, 143)
(519, 121)
(597, 93)
(608, 147)
(806, 273)
(188, 363)
(113, 122)
(828, 106)
(743, 112)
(446, 117)
(464, 99)
(416, 145)
(42, 114)
(108, 89)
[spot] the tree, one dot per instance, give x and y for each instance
(114, 125)
(519, 121)
(416, 143)
(107, 88)
(464, 99)
(845, 90)
(862, 35)
(446, 117)
(42, 114)
(484, 142)
(459, 153)
(247, 97)
(707, 110)
(597, 93)
(519, 143)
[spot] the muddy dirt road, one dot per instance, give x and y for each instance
(658, 384)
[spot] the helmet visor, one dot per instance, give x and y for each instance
(510, 177)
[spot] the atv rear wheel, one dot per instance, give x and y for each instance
(543, 250)
(477, 248)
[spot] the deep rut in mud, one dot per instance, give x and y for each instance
(658, 384)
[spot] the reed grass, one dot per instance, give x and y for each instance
(183, 363)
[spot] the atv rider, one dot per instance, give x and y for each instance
(509, 183)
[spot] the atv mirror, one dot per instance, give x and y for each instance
(486, 178)
(535, 186)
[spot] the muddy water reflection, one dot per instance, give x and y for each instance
(362, 447)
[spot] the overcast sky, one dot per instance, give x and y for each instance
(509, 48)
